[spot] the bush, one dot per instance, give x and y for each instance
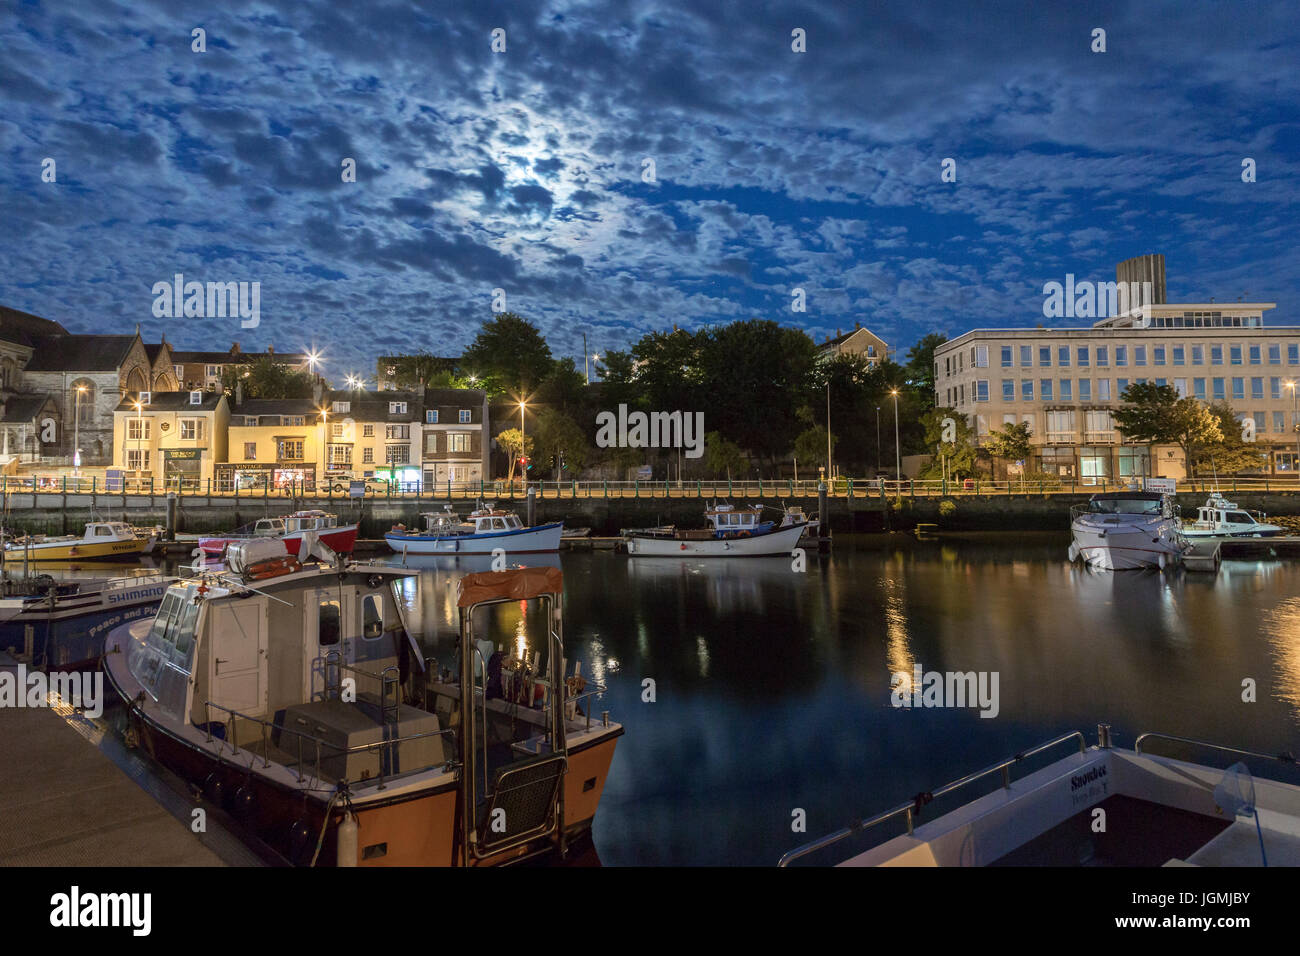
(947, 508)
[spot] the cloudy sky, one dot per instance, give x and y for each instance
(526, 170)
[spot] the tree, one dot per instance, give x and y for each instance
(508, 355)
(422, 368)
(264, 377)
(920, 363)
(949, 437)
(516, 445)
(559, 435)
(721, 456)
(1155, 414)
(1231, 453)
(1011, 442)
(810, 446)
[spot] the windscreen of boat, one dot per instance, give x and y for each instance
(1125, 506)
(162, 663)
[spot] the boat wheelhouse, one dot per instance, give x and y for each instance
(1219, 518)
(303, 706)
(481, 532)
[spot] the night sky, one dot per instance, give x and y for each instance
(523, 170)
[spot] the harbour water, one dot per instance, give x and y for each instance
(772, 686)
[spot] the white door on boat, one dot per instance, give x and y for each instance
(323, 635)
(239, 657)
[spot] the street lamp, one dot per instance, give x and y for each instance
(877, 438)
(523, 445)
(139, 442)
(898, 453)
(76, 432)
(829, 470)
(1295, 425)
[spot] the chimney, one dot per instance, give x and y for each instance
(270, 350)
(838, 333)
(234, 349)
(857, 325)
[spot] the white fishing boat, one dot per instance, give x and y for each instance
(1158, 812)
(293, 695)
(1221, 519)
(794, 514)
(101, 541)
(1123, 530)
(481, 532)
(732, 532)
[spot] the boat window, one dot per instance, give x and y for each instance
(185, 636)
(328, 623)
(1126, 506)
(372, 617)
(1239, 517)
(498, 523)
(102, 531)
(168, 612)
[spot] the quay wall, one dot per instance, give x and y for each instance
(53, 514)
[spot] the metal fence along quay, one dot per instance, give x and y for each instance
(51, 487)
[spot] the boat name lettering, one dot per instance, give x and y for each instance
(137, 593)
(1083, 779)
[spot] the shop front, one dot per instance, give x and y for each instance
(183, 468)
(250, 476)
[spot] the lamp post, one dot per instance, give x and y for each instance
(523, 446)
(1295, 425)
(829, 470)
(76, 432)
(139, 442)
(898, 453)
(877, 438)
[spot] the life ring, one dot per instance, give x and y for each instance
(683, 546)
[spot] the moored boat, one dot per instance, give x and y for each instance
(297, 699)
(101, 541)
(1221, 519)
(483, 531)
(1125, 530)
(1158, 812)
(733, 532)
(290, 529)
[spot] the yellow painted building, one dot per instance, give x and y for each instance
(170, 437)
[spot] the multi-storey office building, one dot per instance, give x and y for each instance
(1066, 383)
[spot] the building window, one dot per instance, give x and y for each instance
(460, 441)
(431, 443)
(250, 451)
(179, 372)
(1216, 354)
(367, 431)
(1259, 422)
(979, 359)
(431, 416)
(1234, 354)
(1103, 390)
(1180, 355)
(1255, 357)
(1103, 355)
(137, 429)
(1198, 355)
(292, 420)
(1006, 356)
(1158, 355)
(1139, 355)
(212, 371)
(191, 429)
(1026, 389)
(1219, 393)
(397, 454)
(1180, 386)
(1238, 388)
(1275, 355)
(1279, 422)
(1008, 390)
(1085, 389)
(339, 456)
(1045, 389)
(1027, 356)
(1045, 356)
(1063, 356)
(1100, 425)
(1081, 356)
(337, 429)
(1060, 425)
(1121, 386)
(1293, 355)
(288, 449)
(397, 432)
(1121, 355)
(1198, 388)
(1257, 388)
(341, 408)
(397, 408)
(368, 456)
(137, 459)
(464, 412)
(146, 398)
(1067, 390)
(1275, 387)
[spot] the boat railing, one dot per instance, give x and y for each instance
(911, 808)
(316, 744)
(1283, 757)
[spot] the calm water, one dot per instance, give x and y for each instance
(773, 687)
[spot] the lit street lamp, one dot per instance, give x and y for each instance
(898, 452)
(76, 432)
(1295, 425)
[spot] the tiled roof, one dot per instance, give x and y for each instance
(26, 329)
(276, 406)
(80, 353)
(171, 402)
(23, 408)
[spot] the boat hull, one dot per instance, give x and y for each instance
(780, 541)
(542, 538)
(77, 551)
(1126, 547)
(71, 635)
(341, 540)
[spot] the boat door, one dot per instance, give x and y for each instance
(239, 679)
(512, 744)
(324, 611)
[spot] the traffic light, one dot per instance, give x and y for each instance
(561, 461)
(528, 464)
(552, 464)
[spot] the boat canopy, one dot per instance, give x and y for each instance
(518, 584)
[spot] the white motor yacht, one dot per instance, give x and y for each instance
(1123, 530)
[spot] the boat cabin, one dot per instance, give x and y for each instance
(728, 521)
(483, 521)
(310, 521)
(108, 530)
(1151, 503)
(268, 527)
(1220, 514)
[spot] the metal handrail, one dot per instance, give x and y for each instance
(908, 809)
(268, 726)
(1280, 758)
